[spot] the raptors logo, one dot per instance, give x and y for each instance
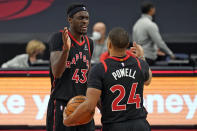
(13, 9)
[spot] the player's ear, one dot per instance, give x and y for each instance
(128, 45)
(69, 19)
(108, 43)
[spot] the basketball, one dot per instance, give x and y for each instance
(73, 104)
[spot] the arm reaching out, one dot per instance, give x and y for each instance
(88, 106)
(58, 58)
(138, 51)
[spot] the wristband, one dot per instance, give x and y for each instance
(141, 57)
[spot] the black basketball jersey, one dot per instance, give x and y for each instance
(121, 81)
(74, 79)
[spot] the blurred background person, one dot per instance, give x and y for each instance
(99, 38)
(34, 52)
(146, 33)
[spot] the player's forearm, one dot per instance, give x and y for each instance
(81, 111)
(150, 78)
(99, 106)
(59, 63)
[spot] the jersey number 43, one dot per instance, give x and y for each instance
(76, 76)
(133, 97)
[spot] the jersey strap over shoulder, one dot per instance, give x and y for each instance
(105, 65)
(139, 65)
(88, 45)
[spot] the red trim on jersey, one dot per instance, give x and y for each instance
(72, 37)
(139, 65)
(119, 59)
(54, 111)
(129, 53)
(105, 65)
(88, 45)
(104, 56)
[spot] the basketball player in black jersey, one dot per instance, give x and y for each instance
(70, 60)
(119, 81)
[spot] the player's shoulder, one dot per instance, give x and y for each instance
(142, 61)
(91, 44)
(109, 62)
(144, 64)
(98, 67)
(55, 41)
(56, 35)
(90, 40)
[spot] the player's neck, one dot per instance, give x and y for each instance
(117, 53)
(77, 36)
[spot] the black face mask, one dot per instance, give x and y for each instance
(39, 56)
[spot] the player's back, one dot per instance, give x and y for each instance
(122, 91)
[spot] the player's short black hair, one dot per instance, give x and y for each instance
(119, 37)
(73, 6)
(146, 6)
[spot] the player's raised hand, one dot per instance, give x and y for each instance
(137, 50)
(66, 39)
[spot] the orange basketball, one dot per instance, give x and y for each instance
(73, 104)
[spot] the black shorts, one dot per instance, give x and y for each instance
(55, 118)
(130, 125)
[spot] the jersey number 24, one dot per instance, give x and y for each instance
(133, 97)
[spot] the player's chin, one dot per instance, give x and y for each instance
(84, 31)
